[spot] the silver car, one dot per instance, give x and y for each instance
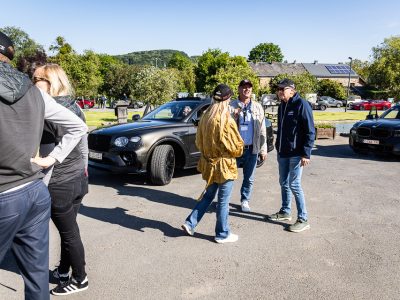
(326, 101)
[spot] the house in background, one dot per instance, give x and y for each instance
(337, 72)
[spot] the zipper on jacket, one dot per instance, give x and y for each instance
(282, 117)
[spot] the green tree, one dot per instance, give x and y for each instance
(305, 83)
(24, 46)
(213, 62)
(266, 52)
(232, 74)
(361, 68)
(331, 88)
(155, 86)
(207, 65)
(385, 69)
(185, 68)
(82, 70)
(61, 47)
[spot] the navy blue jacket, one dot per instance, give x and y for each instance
(296, 131)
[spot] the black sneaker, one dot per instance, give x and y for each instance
(70, 287)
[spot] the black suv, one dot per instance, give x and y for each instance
(157, 144)
(379, 134)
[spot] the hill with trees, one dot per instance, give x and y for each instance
(157, 58)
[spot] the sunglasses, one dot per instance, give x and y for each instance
(37, 79)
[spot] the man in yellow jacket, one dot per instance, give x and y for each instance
(219, 142)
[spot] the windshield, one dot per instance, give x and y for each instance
(392, 113)
(174, 110)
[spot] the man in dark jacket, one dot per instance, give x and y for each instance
(24, 199)
(294, 141)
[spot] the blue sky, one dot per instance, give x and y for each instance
(327, 31)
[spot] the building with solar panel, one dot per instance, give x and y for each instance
(337, 72)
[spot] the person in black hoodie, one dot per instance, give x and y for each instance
(294, 141)
(68, 183)
(24, 199)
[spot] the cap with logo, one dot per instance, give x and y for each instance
(222, 92)
(286, 83)
(244, 82)
(6, 46)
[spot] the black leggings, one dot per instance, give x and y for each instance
(66, 198)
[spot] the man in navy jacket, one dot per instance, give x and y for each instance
(295, 139)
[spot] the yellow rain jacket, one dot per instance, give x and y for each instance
(218, 149)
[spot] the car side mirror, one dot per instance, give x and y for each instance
(136, 117)
(373, 114)
(195, 122)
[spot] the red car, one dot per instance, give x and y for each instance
(85, 103)
(366, 105)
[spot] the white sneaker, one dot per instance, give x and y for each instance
(187, 229)
(231, 238)
(245, 206)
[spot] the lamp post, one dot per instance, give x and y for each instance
(348, 85)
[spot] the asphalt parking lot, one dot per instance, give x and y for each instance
(135, 248)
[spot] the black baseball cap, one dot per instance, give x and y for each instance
(286, 83)
(222, 92)
(244, 82)
(6, 46)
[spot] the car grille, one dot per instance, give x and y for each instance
(99, 142)
(381, 133)
(364, 132)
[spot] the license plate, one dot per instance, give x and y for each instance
(372, 142)
(95, 155)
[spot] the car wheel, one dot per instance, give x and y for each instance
(162, 165)
(385, 107)
(338, 105)
(322, 107)
(260, 161)
(86, 106)
(362, 107)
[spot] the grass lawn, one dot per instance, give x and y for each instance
(98, 118)
(350, 115)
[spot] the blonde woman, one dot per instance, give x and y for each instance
(219, 142)
(67, 183)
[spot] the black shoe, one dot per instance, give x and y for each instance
(70, 287)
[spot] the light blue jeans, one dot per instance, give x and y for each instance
(224, 195)
(290, 180)
(248, 161)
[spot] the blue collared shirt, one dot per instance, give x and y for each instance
(246, 126)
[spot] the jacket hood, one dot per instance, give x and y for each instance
(13, 84)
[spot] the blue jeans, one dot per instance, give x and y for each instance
(290, 180)
(249, 162)
(224, 195)
(24, 226)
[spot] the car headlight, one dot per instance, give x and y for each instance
(353, 131)
(135, 139)
(121, 141)
(396, 133)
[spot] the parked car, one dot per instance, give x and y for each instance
(85, 103)
(157, 144)
(131, 103)
(135, 104)
(379, 134)
(367, 104)
(324, 102)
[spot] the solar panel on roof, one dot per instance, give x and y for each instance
(343, 69)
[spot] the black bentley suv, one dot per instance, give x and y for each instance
(157, 144)
(377, 133)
